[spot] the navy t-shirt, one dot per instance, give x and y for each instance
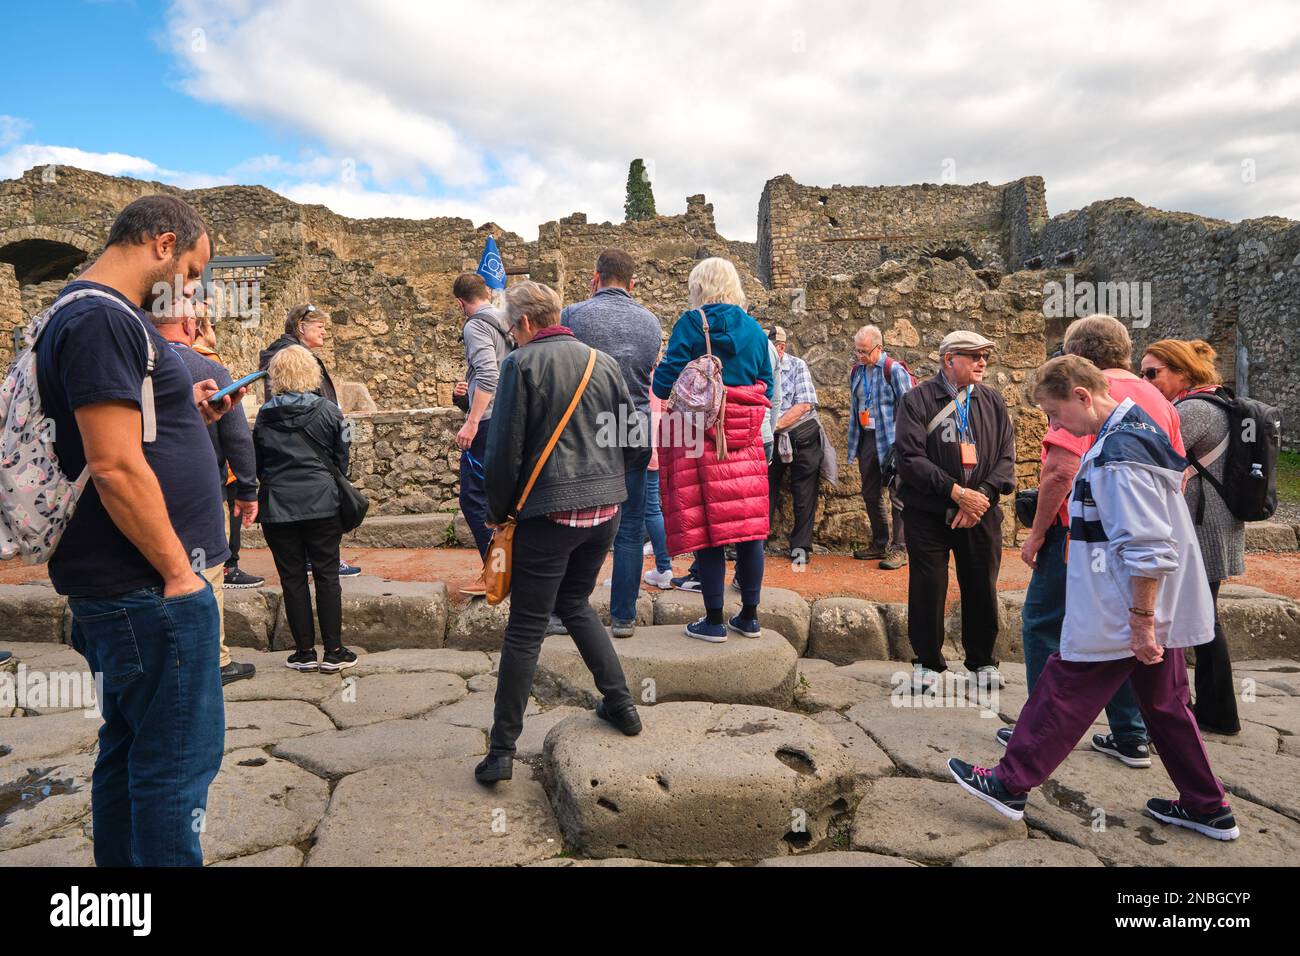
(94, 352)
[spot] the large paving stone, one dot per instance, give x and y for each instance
(1271, 780)
(645, 606)
(928, 821)
(1270, 536)
(847, 629)
(43, 799)
(1066, 807)
(476, 711)
(434, 813)
(1258, 624)
(663, 664)
(71, 849)
(401, 531)
(370, 700)
(31, 612)
(478, 626)
(276, 856)
(701, 782)
(274, 681)
(533, 739)
(780, 609)
(1281, 712)
(335, 753)
(869, 761)
(821, 686)
(1020, 853)
(1253, 737)
(466, 664)
(257, 803)
(837, 858)
(56, 682)
(33, 740)
(258, 723)
(381, 615)
(250, 616)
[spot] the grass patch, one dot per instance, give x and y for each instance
(1288, 477)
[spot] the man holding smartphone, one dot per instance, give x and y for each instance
(124, 406)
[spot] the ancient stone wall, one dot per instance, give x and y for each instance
(407, 462)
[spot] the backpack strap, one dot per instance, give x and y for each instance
(555, 436)
(708, 345)
(149, 421)
(1201, 466)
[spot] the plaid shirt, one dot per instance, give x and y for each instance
(584, 517)
(797, 387)
(868, 389)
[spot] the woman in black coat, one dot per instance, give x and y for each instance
(298, 503)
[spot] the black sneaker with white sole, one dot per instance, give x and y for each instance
(1004, 736)
(1126, 752)
(235, 578)
(337, 660)
(1219, 825)
(303, 661)
(983, 783)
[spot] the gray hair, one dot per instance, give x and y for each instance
(537, 301)
(870, 332)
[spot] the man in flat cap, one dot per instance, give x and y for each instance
(956, 456)
(798, 448)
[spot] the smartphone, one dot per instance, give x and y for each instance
(233, 387)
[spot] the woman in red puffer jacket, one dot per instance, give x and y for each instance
(707, 503)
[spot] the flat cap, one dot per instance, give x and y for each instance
(962, 341)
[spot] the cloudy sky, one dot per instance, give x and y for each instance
(519, 112)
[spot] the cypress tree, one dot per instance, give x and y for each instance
(640, 202)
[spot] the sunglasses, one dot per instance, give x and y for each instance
(1150, 373)
(975, 356)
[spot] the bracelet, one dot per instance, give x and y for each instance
(1141, 613)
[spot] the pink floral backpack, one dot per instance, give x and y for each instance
(699, 395)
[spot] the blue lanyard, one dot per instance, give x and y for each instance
(963, 416)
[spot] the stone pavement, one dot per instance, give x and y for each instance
(749, 756)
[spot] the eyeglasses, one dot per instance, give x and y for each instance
(1150, 373)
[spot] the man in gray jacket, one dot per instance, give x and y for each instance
(616, 324)
(487, 343)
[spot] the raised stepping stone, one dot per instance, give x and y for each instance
(31, 612)
(466, 664)
(250, 616)
(369, 700)
(335, 753)
(1030, 853)
(1067, 806)
(663, 664)
(780, 609)
(476, 711)
(531, 741)
(276, 856)
(928, 821)
(701, 782)
(843, 630)
(38, 801)
(381, 615)
(1258, 624)
(258, 802)
(478, 626)
(434, 813)
(401, 531)
(259, 723)
(34, 740)
(1270, 536)
(869, 761)
(1008, 646)
(1271, 780)
(71, 849)
(845, 858)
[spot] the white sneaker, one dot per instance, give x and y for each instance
(988, 677)
(648, 550)
(663, 580)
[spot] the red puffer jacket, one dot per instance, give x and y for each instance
(708, 503)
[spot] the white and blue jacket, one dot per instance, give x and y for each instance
(1128, 518)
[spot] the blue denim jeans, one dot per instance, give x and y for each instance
(628, 543)
(1043, 615)
(654, 522)
(164, 723)
(473, 489)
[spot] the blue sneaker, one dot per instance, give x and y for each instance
(348, 570)
(704, 631)
(746, 627)
(984, 784)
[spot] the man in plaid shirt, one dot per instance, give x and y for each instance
(798, 448)
(877, 384)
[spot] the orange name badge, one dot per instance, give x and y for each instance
(864, 417)
(968, 458)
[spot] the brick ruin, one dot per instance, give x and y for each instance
(916, 260)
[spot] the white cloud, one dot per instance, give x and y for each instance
(12, 129)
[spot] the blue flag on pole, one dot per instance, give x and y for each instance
(490, 267)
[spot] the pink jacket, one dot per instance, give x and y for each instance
(708, 503)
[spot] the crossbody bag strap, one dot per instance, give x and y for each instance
(555, 437)
(943, 413)
(320, 453)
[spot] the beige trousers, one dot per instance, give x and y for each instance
(216, 577)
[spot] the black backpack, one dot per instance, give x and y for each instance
(1251, 447)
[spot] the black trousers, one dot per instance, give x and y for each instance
(874, 492)
(292, 545)
(978, 552)
(805, 474)
(553, 566)
(1216, 694)
(235, 525)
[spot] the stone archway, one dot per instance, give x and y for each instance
(43, 253)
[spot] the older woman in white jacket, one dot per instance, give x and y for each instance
(1136, 587)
